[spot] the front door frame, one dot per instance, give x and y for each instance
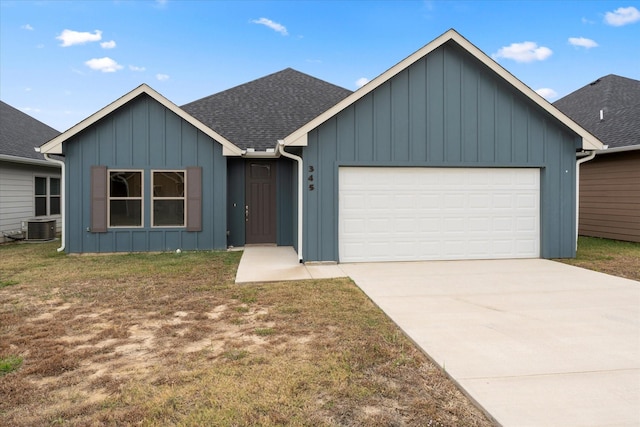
(260, 202)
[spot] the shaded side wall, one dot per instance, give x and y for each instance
(610, 197)
(446, 110)
(286, 202)
(144, 135)
(17, 194)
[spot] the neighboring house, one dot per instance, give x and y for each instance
(444, 156)
(29, 185)
(609, 108)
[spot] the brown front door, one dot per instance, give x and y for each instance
(260, 209)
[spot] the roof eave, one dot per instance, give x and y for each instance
(54, 146)
(27, 161)
(613, 150)
(298, 137)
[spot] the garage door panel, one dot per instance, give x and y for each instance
(391, 214)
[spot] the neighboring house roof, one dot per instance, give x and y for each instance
(55, 145)
(299, 137)
(259, 113)
(20, 133)
(619, 100)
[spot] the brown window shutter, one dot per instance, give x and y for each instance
(194, 198)
(99, 199)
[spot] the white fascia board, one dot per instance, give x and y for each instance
(27, 161)
(54, 146)
(635, 147)
(589, 142)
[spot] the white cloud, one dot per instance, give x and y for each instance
(27, 27)
(31, 110)
(108, 45)
(524, 52)
(362, 81)
(622, 16)
(547, 93)
(273, 25)
(162, 77)
(582, 42)
(70, 38)
(135, 68)
(106, 65)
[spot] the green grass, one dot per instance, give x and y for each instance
(9, 364)
(613, 257)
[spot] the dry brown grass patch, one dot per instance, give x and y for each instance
(164, 339)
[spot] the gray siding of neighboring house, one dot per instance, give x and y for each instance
(445, 110)
(17, 190)
(286, 203)
(144, 135)
(610, 197)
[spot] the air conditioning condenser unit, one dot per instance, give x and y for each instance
(41, 229)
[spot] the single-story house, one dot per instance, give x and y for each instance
(29, 185)
(609, 183)
(444, 156)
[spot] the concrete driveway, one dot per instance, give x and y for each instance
(534, 342)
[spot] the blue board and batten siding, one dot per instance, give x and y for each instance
(445, 110)
(144, 135)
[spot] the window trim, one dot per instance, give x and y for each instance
(184, 198)
(46, 196)
(109, 198)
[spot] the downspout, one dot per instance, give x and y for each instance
(62, 200)
(300, 193)
(590, 156)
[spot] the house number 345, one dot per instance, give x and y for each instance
(310, 178)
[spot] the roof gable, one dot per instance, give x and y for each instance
(619, 100)
(299, 137)
(259, 113)
(54, 146)
(20, 133)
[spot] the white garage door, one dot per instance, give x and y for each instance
(407, 214)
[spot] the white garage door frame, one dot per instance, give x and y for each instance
(411, 214)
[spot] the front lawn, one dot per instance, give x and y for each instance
(608, 256)
(169, 339)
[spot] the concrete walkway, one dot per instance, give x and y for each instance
(534, 342)
(280, 263)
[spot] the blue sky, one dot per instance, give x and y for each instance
(61, 61)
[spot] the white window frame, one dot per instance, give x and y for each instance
(141, 198)
(47, 195)
(183, 198)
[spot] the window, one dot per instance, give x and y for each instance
(54, 196)
(168, 200)
(125, 198)
(47, 196)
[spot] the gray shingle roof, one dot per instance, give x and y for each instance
(258, 113)
(618, 98)
(20, 133)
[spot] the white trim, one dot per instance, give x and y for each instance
(300, 161)
(589, 142)
(153, 198)
(47, 195)
(63, 192)
(26, 160)
(590, 156)
(54, 146)
(141, 198)
(635, 147)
